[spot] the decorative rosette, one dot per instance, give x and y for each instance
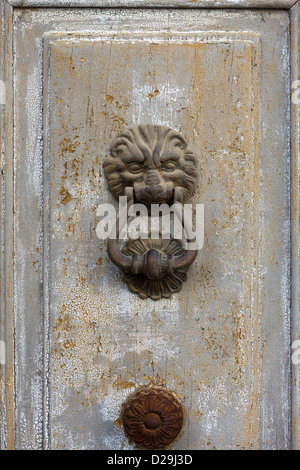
(156, 289)
(152, 417)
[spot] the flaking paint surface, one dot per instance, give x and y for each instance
(206, 343)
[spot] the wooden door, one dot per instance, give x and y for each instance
(78, 342)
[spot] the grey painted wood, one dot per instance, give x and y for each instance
(7, 230)
(295, 246)
(82, 341)
(286, 4)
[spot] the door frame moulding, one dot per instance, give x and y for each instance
(260, 4)
(7, 7)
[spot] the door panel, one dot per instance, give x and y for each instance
(83, 341)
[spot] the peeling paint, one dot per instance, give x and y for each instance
(2, 352)
(222, 80)
(2, 92)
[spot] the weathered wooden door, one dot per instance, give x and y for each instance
(77, 341)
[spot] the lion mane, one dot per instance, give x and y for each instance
(150, 156)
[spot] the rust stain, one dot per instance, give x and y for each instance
(67, 196)
(124, 385)
(68, 344)
(67, 146)
(109, 98)
(72, 63)
(153, 94)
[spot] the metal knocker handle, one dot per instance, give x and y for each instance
(153, 264)
(152, 165)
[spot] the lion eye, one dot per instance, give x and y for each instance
(169, 166)
(135, 167)
(179, 143)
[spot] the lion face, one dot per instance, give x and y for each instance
(153, 160)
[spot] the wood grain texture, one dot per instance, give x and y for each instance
(7, 324)
(295, 246)
(188, 72)
(82, 342)
(262, 4)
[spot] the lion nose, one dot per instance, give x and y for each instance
(153, 178)
(153, 191)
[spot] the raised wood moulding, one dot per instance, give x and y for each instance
(283, 4)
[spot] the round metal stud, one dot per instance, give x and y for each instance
(152, 417)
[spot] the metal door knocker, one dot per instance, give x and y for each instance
(152, 417)
(152, 164)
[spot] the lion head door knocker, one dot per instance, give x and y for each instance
(152, 165)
